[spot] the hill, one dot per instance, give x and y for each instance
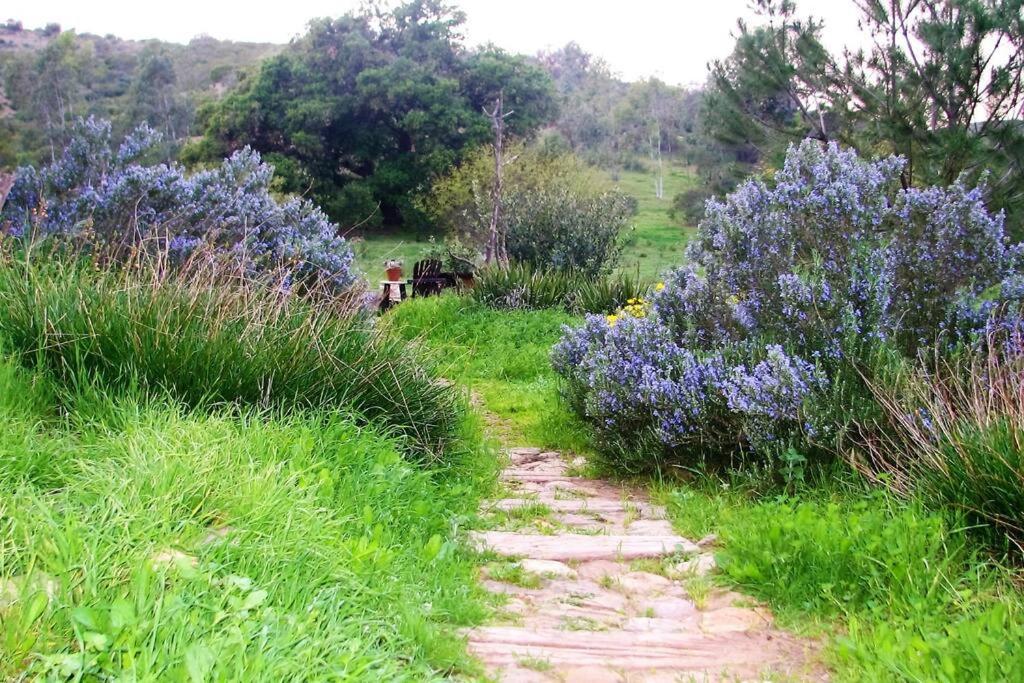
(49, 77)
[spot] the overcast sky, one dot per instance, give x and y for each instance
(673, 40)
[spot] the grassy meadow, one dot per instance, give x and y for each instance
(162, 517)
(653, 245)
(657, 241)
(502, 358)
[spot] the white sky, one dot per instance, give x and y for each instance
(673, 40)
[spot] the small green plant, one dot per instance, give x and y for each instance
(534, 664)
(572, 623)
(513, 573)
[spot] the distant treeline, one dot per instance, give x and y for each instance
(364, 112)
(49, 78)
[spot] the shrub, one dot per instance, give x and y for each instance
(558, 212)
(106, 199)
(459, 203)
(209, 337)
(520, 286)
(956, 437)
(793, 293)
(558, 229)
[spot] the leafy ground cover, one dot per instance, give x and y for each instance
(503, 356)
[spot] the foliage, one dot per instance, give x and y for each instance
(557, 211)
(371, 106)
(51, 78)
(521, 287)
(608, 121)
(940, 85)
(460, 202)
(210, 337)
(955, 437)
(912, 598)
(144, 540)
(105, 199)
(561, 230)
(793, 294)
(502, 357)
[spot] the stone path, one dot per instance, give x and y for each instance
(599, 588)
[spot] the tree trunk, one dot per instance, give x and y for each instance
(497, 250)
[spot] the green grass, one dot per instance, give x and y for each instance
(655, 245)
(210, 341)
(143, 540)
(658, 240)
(373, 248)
(502, 356)
(899, 593)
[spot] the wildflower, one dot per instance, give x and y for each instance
(784, 284)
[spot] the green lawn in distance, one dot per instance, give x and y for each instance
(657, 240)
(655, 244)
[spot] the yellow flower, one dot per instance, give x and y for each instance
(733, 300)
(611, 319)
(660, 286)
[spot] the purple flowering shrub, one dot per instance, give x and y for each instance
(791, 294)
(107, 198)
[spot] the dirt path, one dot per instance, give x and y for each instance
(600, 588)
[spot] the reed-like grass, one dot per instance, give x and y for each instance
(955, 437)
(521, 286)
(210, 337)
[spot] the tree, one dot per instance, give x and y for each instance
(152, 97)
(941, 85)
(496, 248)
(57, 87)
(364, 110)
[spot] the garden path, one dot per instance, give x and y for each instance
(600, 588)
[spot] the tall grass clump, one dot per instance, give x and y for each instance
(955, 436)
(210, 336)
(524, 287)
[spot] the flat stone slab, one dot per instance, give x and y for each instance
(596, 616)
(695, 653)
(596, 505)
(548, 568)
(582, 548)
